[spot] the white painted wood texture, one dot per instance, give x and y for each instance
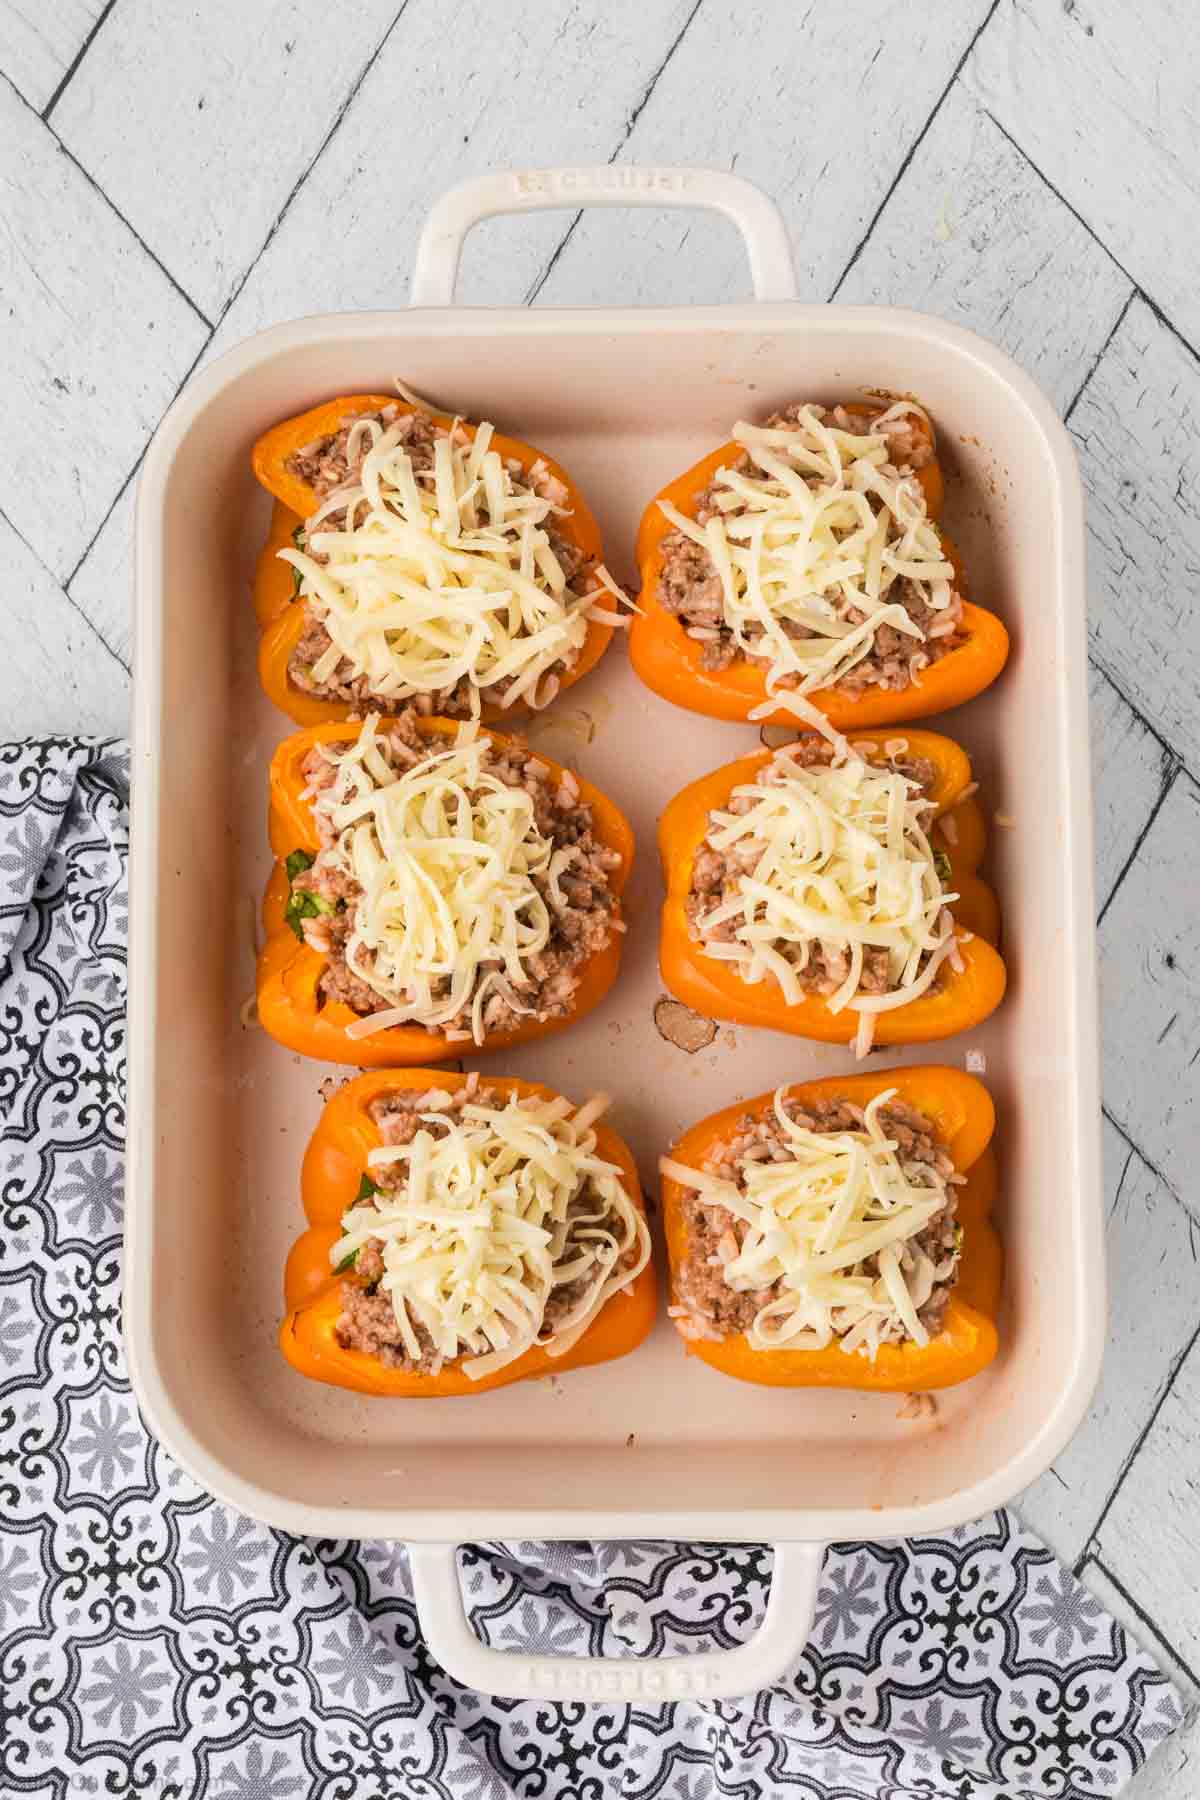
(1130, 769)
(56, 675)
(1135, 427)
(974, 234)
(42, 41)
(1150, 988)
(95, 342)
(1025, 167)
(843, 88)
(1153, 1246)
(486, 108)
(1104, 97)
(1155, 1557)
(231, 103)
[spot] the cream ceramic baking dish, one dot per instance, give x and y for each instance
(656, 1445)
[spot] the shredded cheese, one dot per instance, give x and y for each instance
(812, 1220)
(427, 579)
(497, 1207)
(453, 869)
(819, 535)
(835, 856)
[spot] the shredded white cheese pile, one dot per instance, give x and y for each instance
(488, 1221)
(797, 540)
(811, 1222)
(425, 583)
(837, 856)
(445, 854)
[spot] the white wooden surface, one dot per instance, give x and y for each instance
(173, 179)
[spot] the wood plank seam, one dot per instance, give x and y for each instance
(139, 460)
(82, 51)
(113, 208)
(1139, 291)
(630, 122)
(1155, 731)
(72, 602)
(1168, 782)
(1116, 326)
(914, 147)
(295, 190)
(1157, 1173)
(213, 327)
(1151, 1625)
(1132, 1455)
(313, 160)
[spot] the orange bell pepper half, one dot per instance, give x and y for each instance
(334, 1164)
(671, 663)
(963, 1118)
(276, 583)
(282, 624)
(290, 1005)
(963, 998)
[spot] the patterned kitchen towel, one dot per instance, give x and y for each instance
(153, 1643)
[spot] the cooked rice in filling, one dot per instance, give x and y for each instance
(775, 1219)
(819, 877)
(516, 1236)
(814, 554)
(460, 886)
(433, 572)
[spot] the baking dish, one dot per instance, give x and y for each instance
(655, 1445)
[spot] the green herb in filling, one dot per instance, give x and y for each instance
(300, 541)
(941, 863)
(366, 1187)
(301, 903)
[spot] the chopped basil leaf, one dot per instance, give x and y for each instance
(941, 863)
(299, 540)
(298, 860)
(302, 904)
(294, 911)
(366, 1187)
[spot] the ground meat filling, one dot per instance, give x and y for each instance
(690, 587)
(582, 920)
(712, 1231)
(716, 876)
(367, 1320)
(326, 465)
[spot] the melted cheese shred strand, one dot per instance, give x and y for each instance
(489, 1218)
(817, 534)
(445, 854)
(426, 583)
(811, 1222)
(836, 856)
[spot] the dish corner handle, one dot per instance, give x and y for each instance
(712, 1675)
(435, 269)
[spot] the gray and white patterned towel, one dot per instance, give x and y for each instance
(153, 1643)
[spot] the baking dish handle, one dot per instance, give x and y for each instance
(707, 1675)
(607, 184)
